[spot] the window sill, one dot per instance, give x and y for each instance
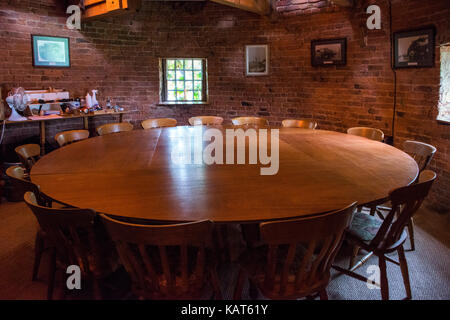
(444, 121)
(166, 104)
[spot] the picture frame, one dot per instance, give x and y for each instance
(414, 48)
(257, 60)
(50, 52)
(329, 52)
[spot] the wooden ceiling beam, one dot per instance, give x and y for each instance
(105, 8)
(261, 7)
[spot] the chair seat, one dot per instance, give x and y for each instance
(365, 227)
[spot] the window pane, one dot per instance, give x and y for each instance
(170, 64)
(180, 75)
(180, 85)
(444, 93)
(170, 75)
(170, 85)
(198, 85)
(171, 96)
(184, 80)
(198, 65)
(198, 75)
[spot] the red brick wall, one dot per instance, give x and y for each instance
(119, 56)
(418, 93)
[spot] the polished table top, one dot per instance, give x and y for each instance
(131, 174)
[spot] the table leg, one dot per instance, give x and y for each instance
(42, 136)
(121, 117)
(85, 123)
(250, 232)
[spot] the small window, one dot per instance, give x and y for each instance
(444, 94)
(183, 81)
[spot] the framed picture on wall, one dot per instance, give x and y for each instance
(257, 60)
(414, 48)
(329, 52)
(53, 52)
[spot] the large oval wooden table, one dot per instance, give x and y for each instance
(131, 174)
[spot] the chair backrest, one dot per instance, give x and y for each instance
(20, 184)
(405, 203)
(114, 128)
(205, 121)
(163, 261)
(158, 123)
(426, 175)
(420, 151)
(321, 236)
(369, 133)
(304, 124)
(247, 121)
(71, 232)
(68, 137)
(28, 154)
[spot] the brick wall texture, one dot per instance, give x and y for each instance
(119, 56)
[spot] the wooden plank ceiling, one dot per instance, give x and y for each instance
(105, 8)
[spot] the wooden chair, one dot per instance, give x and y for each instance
(205, 121)
(28, 154)
(158, 123)
(166, 261)
(380, 237)
(246, 121)
(114, 128)
(421, 152)
(304, 124)
(369, 133)
(76, 240)
(68, 137)
(19, 181)
(20, 184)
(296, 259)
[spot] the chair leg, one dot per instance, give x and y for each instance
(216, 286)
(253, 290)
(353, 257)
(239, 286)
(96, 289)
(405, 273)
(38, 248)
(51, 275)
(383, 278)
(323, 295)
(411, 234)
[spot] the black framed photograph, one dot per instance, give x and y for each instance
(329, 52)
(257, 60)
(414, 48)
(51, 52)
